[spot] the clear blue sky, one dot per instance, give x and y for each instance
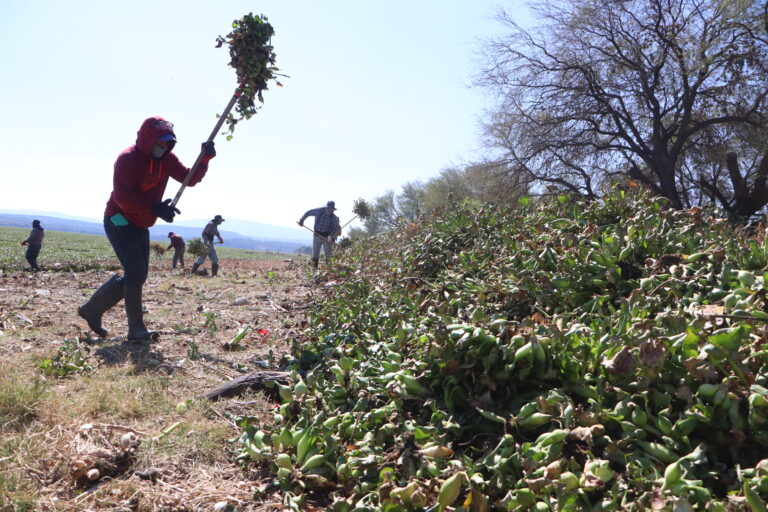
(379, 95)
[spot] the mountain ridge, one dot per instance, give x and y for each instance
(248, 228)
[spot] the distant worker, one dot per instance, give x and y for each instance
(34, 243)
(178, 249)
(211, 230)
(327, 229)
(140, 176)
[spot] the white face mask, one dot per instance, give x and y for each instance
(158, 151)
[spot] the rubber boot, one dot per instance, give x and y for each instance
(103, 299)
(214, 269)
(194, 268)
(137, 331)
(315, 262)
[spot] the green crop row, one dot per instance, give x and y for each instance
(78, 252)
(61, 250)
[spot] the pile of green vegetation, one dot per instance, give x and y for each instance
(253, 57)
(196, 247)
(567, 355)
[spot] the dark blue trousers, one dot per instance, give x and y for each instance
(32, 251)
(131, 245)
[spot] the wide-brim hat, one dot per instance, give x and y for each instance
(219, 217)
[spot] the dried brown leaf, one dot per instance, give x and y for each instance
(622, 363)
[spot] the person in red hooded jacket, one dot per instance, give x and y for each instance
(140, 176)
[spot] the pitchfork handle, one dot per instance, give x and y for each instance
(212, 136)
(350, 220)
(328, 238)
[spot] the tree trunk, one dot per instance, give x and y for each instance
(260, 381)
(748, 202)
(665, 171)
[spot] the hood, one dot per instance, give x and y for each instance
(151, 130)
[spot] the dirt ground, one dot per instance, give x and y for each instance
(139, 405)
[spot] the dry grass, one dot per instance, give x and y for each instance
(132, 386)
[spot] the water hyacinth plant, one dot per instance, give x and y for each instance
(361, 209)
(253, 57)
(196, 247)
(565, 355)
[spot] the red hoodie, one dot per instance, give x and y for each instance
(140, 180)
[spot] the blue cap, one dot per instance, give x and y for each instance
(167, 136)
(331, 204)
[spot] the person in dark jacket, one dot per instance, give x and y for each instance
(209, 231)
(178, 249)
(140, 176)
(34, 243)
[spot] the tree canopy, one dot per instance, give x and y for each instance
(655, 90)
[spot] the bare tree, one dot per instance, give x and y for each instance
(486, 183)
(384, 214)
(614, 88)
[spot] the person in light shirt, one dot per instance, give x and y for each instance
(210, 231)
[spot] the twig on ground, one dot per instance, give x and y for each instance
(277, 307)
(212, 368)
(22, 317)
(230, 422)
(111, 426)
(93, 489)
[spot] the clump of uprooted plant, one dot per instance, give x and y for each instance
(196, 247)
(253, 57)
(563, 355)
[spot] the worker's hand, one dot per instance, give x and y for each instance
(25, 243)
(165, 211)
(221, 241)
(208, 149)
(300, 223)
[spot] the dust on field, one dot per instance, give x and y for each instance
(74, 406)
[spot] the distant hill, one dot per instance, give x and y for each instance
(38, 213)
(257, 230)
(160, 233)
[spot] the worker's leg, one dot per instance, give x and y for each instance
(317, 242)
(328, 250)
(32, 251)
(131, 245)
(103, 299)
